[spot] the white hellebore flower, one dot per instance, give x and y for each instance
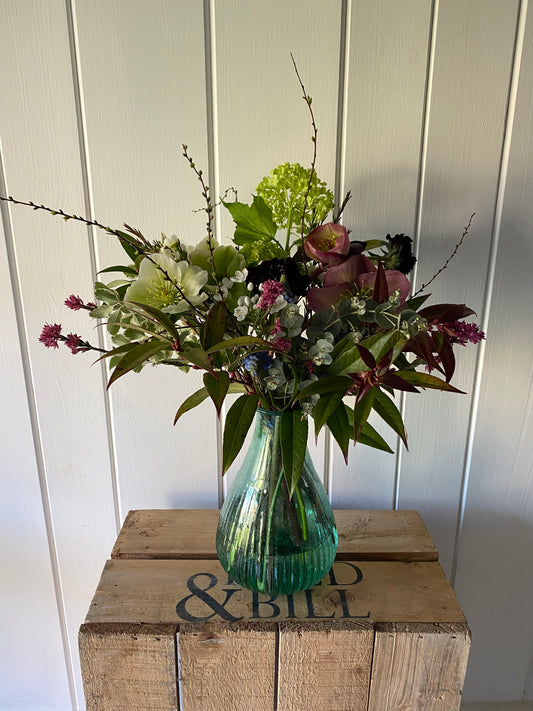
(168, 285)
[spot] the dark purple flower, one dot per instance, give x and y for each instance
(50, 335)
(400, 256)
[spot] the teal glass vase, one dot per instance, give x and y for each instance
(266, 540)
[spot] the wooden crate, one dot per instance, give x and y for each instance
(168, 630)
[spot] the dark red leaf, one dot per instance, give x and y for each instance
(367, 357)
(444, 313)
(398, 383)
(381, 290)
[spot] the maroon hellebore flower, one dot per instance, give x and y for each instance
(356, 271)
(328, 244)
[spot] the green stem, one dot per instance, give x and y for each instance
(300, 511)
(272, 495)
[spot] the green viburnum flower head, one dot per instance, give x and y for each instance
(153, 287)
(284, 191)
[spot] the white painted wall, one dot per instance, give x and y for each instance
(425, 113)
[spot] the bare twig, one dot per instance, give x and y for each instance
(141, 244)
(308, 102)
(452, 255)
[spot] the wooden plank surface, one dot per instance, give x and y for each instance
(227, 667)
(130, 666)
(419, 667)
(324, 666)
(168, 591)
(190, 533)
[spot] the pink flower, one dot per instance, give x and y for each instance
(328, 244)
(74, 302)
(270, 291)
(74, 342)
(283, 344)
(463, 333)
(277, 327)
(50, 335)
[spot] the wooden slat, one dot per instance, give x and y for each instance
(419, 667)
(324, 666)
(168, 591)
(190, 533)
(130, 666)
(224, 667)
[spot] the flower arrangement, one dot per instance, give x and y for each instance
(292, 316)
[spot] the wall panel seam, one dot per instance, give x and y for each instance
(491, 269)
(340, 175)
(92, 244)
(421, 182)
(35, 429)
(210, 52)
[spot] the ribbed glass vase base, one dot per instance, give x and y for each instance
(267, 541)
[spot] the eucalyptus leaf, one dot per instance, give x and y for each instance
(329, 383)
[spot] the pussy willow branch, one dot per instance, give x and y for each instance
(307, 100)
(452, 255)
(111, 231)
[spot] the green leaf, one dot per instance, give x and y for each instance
(293, 446)
(157, 315)
(371, 438)
(102, 311)
(388, 412)
(199, 396)
(339, 426)
(130, 271)
(361, 412)
(215, 325)
(239, 342)
(329, 383)
(416, 302)
(327, 404)
(135, 357)
(103, 293)
(253, 221)
(238, 421)
(217, 387)
(197, 356)
(350, 361)
(424, 380)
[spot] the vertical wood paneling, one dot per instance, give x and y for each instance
(497, 536)
(28, 614)
(262, 118)
(41, 158)
(465, 134)
(387, 62)
(143, 92)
